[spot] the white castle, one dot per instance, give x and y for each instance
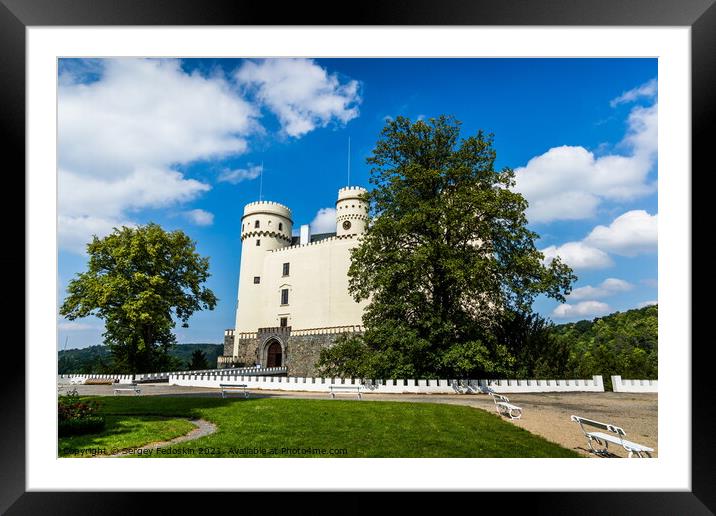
(293, 297)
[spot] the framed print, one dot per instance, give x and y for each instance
(74, 54)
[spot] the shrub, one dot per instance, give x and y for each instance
(77, 416)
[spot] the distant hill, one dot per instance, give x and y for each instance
(623, 343)
(97, 359)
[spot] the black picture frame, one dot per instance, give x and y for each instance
(17, 15)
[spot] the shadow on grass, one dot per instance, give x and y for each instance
(116, 427)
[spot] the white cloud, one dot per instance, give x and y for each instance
(110, 197)
(647, 303)
(300, 93)
(200, 217)
(648, 89)
(149, 112)
(630, 234)
(75, 232)
(240, 174)
(570, 182)
(578, 256)
(608, 287)
(583, 309)
(120, 136)
(125, 125)
(75, 326)
(634, 232)
(324, 221)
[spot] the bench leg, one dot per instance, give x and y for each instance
(359, 396)
(333, 394)
(603, 451)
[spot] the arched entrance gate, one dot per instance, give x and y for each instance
(274, 354)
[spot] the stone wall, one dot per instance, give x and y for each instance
(303, 352)
(228, 343)
(248, 351)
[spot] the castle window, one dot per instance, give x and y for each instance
(258, 242)
(257, 279)
(284, 296)
(256, 224)
(284, 322)
(285, 269)
(280, 226)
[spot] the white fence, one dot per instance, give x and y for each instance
(294, 383)
(619, 385)
(147, 377)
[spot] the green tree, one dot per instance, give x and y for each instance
(530, 339)
(139, 280)
(446, 254)
(623, 343)
(198, 361)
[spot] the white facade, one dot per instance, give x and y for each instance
(300, 282)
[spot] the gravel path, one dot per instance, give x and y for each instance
(203, 428)
(545, 414)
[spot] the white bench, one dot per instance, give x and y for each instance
(345, 388)
(131, 387)
(233, 387)
(504, 407)
(603, 439)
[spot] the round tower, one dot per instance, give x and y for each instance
(351, 211)
(265, 226)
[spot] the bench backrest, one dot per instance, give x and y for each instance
(597, 424)
(351, 386)
(499, 397)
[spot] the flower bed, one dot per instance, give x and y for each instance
(77, 417)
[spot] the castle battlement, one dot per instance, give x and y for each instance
(319, 242)
(352, 188)
(271, 234)
(350, 192)
(270, 206)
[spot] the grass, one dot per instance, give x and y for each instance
(123, 432)
(275, 427)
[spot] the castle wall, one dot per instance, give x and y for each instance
(317, 284)
(301, 349)
(303, 353)
(228, 342)
(319, 302)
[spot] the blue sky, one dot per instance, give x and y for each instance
(182, 143)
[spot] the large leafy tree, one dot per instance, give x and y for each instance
(139, 280)
(447, 256)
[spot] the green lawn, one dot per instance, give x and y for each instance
(275, 427)
(124, 432)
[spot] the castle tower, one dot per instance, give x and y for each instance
(351, 211)
(265, 226)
